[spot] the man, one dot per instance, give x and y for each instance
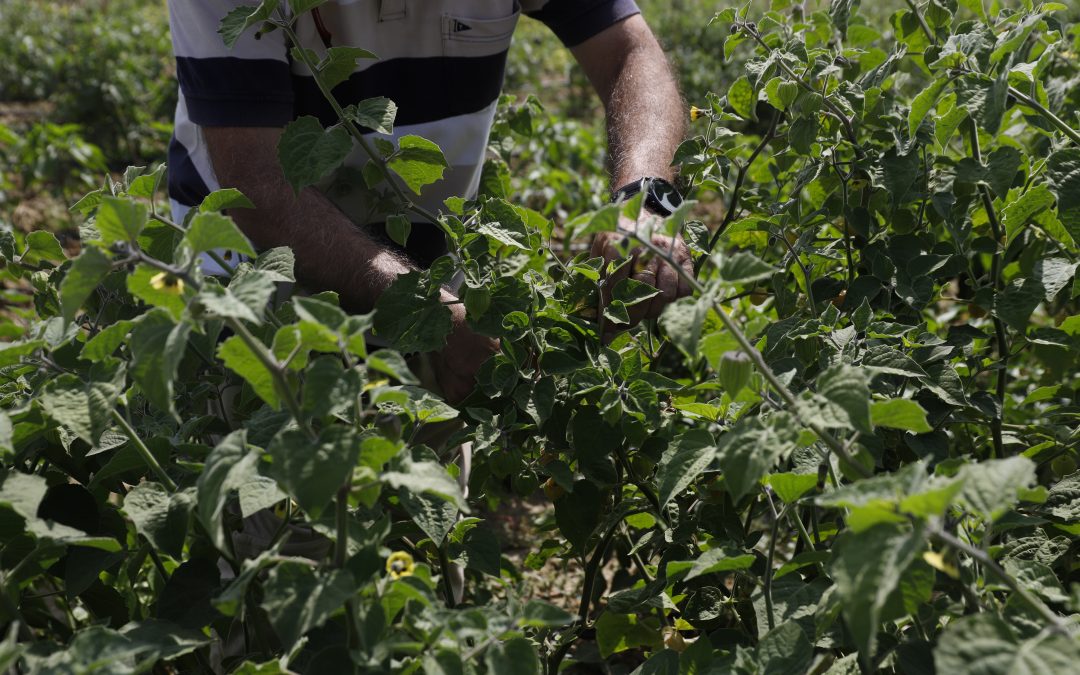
(442, 63)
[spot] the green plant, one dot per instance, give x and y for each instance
(892, 489)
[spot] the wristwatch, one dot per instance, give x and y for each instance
(661, 197)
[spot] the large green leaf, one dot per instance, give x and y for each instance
(308, 152)
(683, 462)
(84, 275)
(418, 161)
(991, 486)
(85, 405)
(211, 230)
(1063, 170)
(866, 569)
(240, 19)
(411, 318)
(157, 347)
(983, 644)
(312, 471)
(298, 598)
(159, 516)
(230, 465)
(751, 448)
(239, 358)
(120, 219)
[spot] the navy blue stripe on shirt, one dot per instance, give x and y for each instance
(186, 186)
(575, 21)
(424, 89)
(230, 91)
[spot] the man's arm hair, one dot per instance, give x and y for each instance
(646, 118)
(331, 252)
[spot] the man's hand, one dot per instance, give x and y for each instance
(458, 362)
(646, 267)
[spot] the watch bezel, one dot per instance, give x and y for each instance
(656, 200)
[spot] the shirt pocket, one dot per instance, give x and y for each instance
(478, 36)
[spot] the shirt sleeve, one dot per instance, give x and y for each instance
(575, 21)
(248, 85)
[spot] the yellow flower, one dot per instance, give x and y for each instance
(938, 562)
(695, 113)
(167, 283)
(400, 564)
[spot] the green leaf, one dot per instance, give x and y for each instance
(159, 516)
(742, 98)
(900, 413)
(751, 448)
(426, 477)
(298, 598)
(82, 278)
(984, 643)
(339, 63)
(991, 486)
(377, 114)
(209, 231)
(847, 393)
(277, 264)
(225, 198)
(40, 246)
(85, 406)
(516, 655)
(157, 347)
(923, 103)
(398, 228)
(1063, 170)
(120, 219)
(744, 268)
(721, 559)
(866, 568)
(240, 19)
(312, 471)
(785, 649)
(1019, 211)
(790, 487)
(578, 513)
(539, 614)
(410, 317)
(682, 463)
(418, 161)
(229, 465)
(239, 358)
(308, 153)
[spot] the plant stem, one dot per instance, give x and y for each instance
(759, 362)
(922, 22)
(769, 559)
(1000, 338)
(1045, 112)
(351, 127)
(144, 451)
(281, 381)
(1057, 624)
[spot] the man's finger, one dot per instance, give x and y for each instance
(667, 282)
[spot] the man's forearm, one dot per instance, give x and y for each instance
(646, 119)
(331, 252)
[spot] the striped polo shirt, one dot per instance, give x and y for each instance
(440, 61)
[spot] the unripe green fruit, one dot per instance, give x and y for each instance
(1063, 465)
(735, 370)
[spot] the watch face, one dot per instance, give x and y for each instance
(664, 196)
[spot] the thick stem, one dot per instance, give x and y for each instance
(144, 452)
(1057, 623)
(1000, 338)
(1062, 126)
